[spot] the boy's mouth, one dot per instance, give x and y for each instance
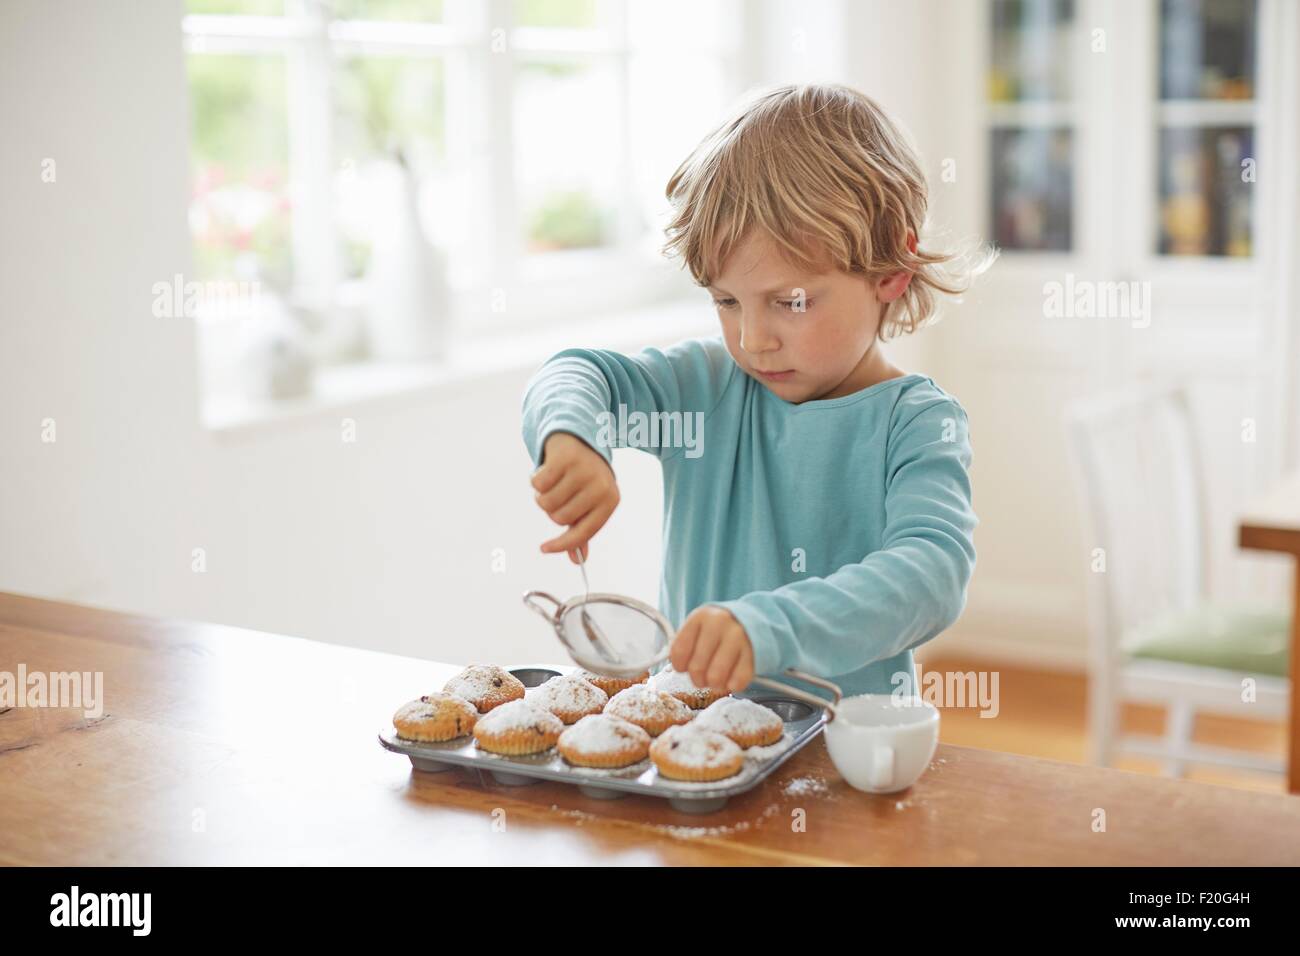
(776, 376)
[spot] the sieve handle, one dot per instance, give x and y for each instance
(803, 695)
(552, 617)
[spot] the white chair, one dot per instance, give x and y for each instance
(1153, 635)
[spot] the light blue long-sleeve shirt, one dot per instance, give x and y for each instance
(838, 532)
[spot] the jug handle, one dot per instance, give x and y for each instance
(803, 695)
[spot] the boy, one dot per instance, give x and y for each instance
(822, 519)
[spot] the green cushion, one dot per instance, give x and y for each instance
(1253, 640)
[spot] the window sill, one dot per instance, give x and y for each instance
(343, 388)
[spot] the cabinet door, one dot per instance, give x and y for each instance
(1031, 144)
(1208, 82)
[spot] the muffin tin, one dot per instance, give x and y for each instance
(802, 723)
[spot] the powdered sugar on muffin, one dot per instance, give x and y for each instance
(517, 728)
(435, 718)
(612, 685)
(690, 753)
(600, 740)
(519, 715)
(651, 710)
(486, 686)
(569, 697)
(681, 686)
(747, 723)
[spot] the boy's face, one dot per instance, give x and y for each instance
(824, 351)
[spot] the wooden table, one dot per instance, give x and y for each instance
(1273, 524)
(222, 746)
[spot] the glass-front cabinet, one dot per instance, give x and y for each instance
(1031, 100)
(1206, 149)
(1172, 83)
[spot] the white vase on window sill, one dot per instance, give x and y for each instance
(275, 361)
(408, 303)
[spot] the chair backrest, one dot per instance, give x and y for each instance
(1138, 471)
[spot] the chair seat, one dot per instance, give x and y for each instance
(1246, 639)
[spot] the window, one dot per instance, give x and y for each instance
(541, 133)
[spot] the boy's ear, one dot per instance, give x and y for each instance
(895, 284)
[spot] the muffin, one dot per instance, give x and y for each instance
(517, 728)
(680, 685)
(612, 685)
(651, 710)
(600, 740)
(434, 718)
(747, 723)
(690, 753)
(569, 697)
(486, 686)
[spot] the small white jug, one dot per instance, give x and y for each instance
(881, 743)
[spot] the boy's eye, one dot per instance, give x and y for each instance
(791, 305)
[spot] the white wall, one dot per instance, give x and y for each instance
(100, 512)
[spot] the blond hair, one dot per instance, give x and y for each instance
(823, 171)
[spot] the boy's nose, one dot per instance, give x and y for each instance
(754, 339)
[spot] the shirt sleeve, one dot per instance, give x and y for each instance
(895, 598)
(598, 395)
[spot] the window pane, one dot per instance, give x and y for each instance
(1207, 49)
(658, 24)
(674, 100)
(1205, 193)
(569, 14)
(568, 123)
(1032, 175)
(386, 105)
(1031, 50)
(239, 212)
(272, 8)
(429, 11)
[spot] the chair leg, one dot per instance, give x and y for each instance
(1179, 718)
(1103, 721)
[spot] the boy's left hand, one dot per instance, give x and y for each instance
(714, 648)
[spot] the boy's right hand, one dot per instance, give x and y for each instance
(575, 487)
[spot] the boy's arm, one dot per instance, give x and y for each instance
(580, 391)
(897, 597)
